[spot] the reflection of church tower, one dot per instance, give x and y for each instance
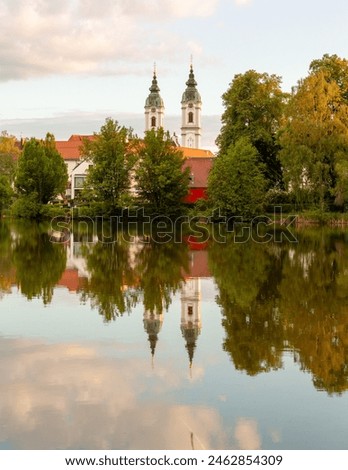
(191, 106)
(191, 313)
(154, 107)
(152, 325)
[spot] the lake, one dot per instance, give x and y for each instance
(133, 344)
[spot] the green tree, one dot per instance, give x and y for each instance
(254, 104)
(236, 184)
(41, 172)
(5, 193)
(161, 181)
(314, 138)
(112, 154)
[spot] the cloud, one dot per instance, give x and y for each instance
(41, 37)
(242, 2)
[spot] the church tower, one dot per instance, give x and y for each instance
(154, 107)
(191, 314)
(191, 106)
(152, 324)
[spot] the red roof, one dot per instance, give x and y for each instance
(190, 152)
(71, 149)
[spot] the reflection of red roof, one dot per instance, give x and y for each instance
(70, 279)
(198, 266)
(196, 243)
(200, 168)
(71, 149)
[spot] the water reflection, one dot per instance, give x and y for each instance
(287, 297)
(273, 297)
(79, 399)
(30, 260)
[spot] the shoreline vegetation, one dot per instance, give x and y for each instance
(298, 219)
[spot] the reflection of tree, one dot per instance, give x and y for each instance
(315, 307)
(39, 263)
(7, 274)
(247, 277)
(121, 271)
(291, 296)
(112, 286)
(160, 268)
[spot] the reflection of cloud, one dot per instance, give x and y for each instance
(69, 396)
(276, 435)
(246, 434)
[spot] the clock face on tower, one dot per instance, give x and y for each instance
(190, 140)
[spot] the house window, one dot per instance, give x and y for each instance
(190, 117)
(78, 182)
(153, 121)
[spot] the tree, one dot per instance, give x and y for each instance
(112, 156)
(161, 181)
(236, 184)
(254, 106)
(335, 69)
(5, 193)
(314, 138)
(9, 153)
(41, 172)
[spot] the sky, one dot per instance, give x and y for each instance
(67, 65)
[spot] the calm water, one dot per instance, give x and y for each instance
(134, 345)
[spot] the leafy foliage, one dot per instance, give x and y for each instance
(236, 184)
(112, 156)
(5, 193)
(254, 105)
(335, 70)
(9, 153)
(314, 138)
(41, 173)
(161, 181)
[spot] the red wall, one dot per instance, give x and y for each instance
(195, 194)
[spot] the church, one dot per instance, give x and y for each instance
(198, 160)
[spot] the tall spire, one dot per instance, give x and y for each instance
(154, 106)
(191, 105)
(191, 92)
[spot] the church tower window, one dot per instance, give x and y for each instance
(190, 117)
(153, 121)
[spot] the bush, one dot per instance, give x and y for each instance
(26, 207)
